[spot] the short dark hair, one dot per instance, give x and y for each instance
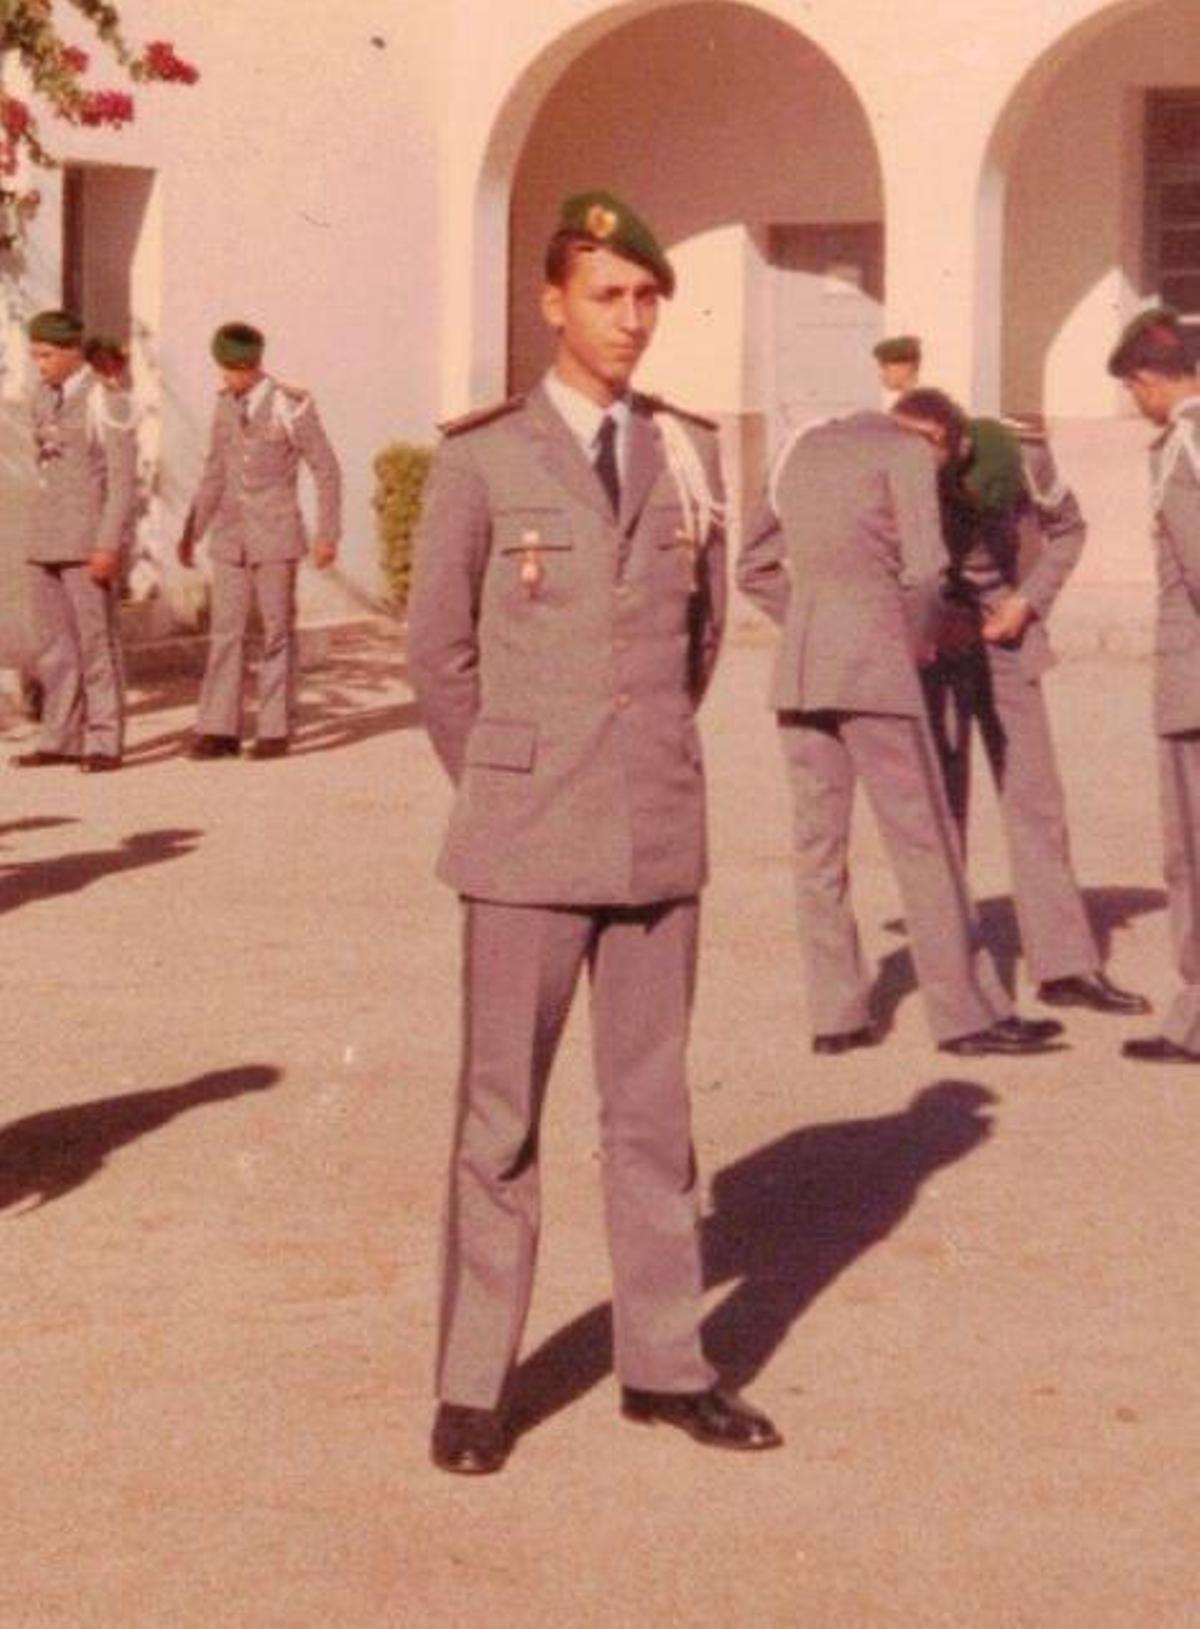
(936, 408)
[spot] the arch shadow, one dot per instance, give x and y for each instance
(786, 1222)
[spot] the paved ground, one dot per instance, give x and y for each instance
(968, 1294)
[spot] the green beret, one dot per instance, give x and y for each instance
(61, 328)
(903, 348)
(1155, 340)
(237, 345)
(611, 224)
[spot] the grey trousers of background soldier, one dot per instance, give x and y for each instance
(989, 686)
(826, 753)
(236, 590)
(521, 965)
(79, 660)
(1179, 790)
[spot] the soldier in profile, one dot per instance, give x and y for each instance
(86, 456)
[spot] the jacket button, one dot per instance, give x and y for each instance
(622, 701)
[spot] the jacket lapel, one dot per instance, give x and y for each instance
(562, 456)
(644, 467)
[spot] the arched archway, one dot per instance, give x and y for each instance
(1064, 191)
(745, 145)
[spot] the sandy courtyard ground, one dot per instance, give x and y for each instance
(968, 1293)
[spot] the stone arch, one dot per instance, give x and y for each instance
(1060, 206)
(715, 190)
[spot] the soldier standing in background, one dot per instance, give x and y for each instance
(247, 499)
(567, 606)
(86, 456)
(847, 556)
(1154, 361)
(899, 361)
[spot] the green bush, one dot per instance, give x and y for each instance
(400, 471)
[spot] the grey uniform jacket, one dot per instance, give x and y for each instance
(86, 456)
(558, 656)
(247, 498)
(1175, 475)
(848, 556)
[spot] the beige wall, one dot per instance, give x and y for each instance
(1073, 262)
(346, 173)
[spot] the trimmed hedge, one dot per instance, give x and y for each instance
(400, 471)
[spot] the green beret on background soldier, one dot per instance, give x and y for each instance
(899, 361)
(85, 463)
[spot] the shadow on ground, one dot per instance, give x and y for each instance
(786, 1222)
(30, 880)
(350, 697)
(46, 1156)
(1108, 910)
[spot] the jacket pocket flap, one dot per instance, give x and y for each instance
(498, 743)
(516, 530)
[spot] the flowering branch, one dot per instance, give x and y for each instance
(56, 73)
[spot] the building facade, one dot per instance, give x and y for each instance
(371, 182)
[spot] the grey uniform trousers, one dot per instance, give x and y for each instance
(78, 661)
(236, 589)
(989, 687)
(1179, 790)
(826, 753)
(521, 967)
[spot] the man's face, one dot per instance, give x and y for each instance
(56, 363)
(899, 376)
(1152, 394)
(604, 316)
(239, 380)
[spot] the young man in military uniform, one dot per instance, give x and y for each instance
(567, 606)
(247, 500)
(847, 556)
(86, 457)
(1015, 534)
(1155, 361)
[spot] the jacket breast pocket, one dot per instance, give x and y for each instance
(533, 548)
(502, 743)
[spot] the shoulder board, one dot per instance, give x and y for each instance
(656, 404)
(292, 392)
(1025, 426)
(481, 416)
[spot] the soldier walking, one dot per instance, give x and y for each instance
(1154, 362)
(247, 501)
(567, 607)
(86, 457)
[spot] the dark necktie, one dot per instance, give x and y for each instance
(243, 407)
(606, 461)
(59, 395)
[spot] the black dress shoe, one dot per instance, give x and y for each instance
(1157, 1049)
(711, 1417)
(99, 763)
(468, 1441)
(1012, 1037)
(273, 747)
(844, 1040)
(39, 759)
(214, 746)
(1095, 990)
